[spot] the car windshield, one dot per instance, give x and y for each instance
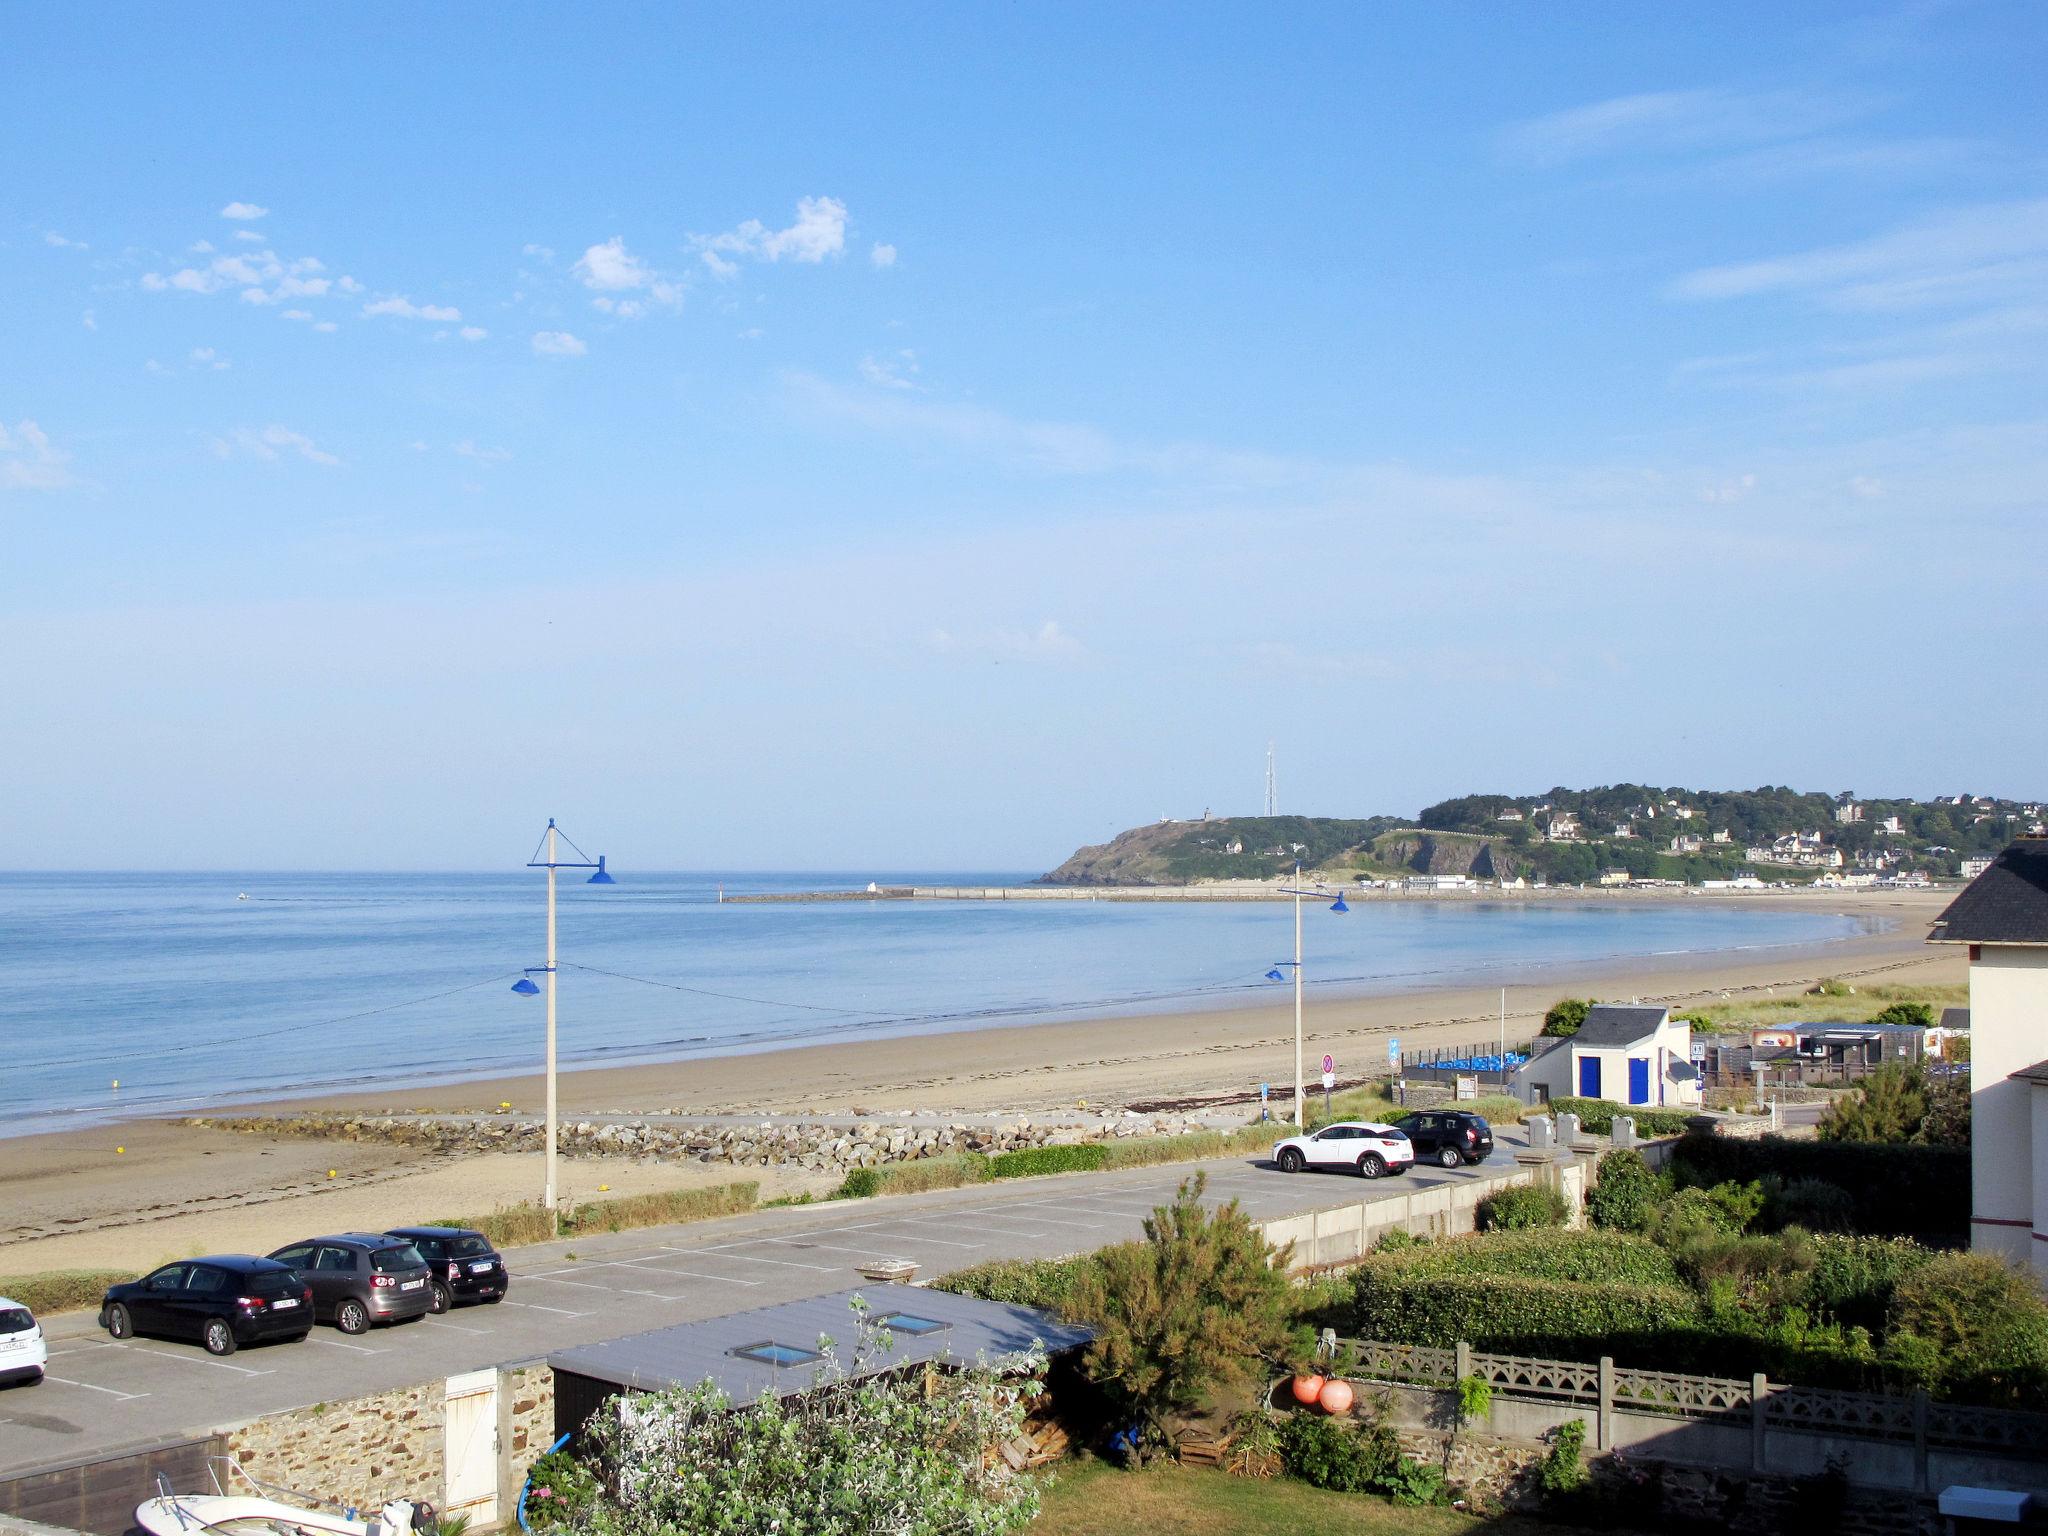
(388, 1260)
(1479, 1123)
(469, 1247)
(15, 1320)
(270, 1282)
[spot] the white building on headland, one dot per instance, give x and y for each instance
(2003, 916)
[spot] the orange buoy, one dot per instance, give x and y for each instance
(1307, 1388)
(1336, 1398)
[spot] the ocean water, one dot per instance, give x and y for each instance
(194, 997)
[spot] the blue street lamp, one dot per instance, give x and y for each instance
(1300, 1115)
(524, 985)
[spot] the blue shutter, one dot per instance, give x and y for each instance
(1639, 1079)
(1589, 1077)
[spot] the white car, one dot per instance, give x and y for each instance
(1355, 1146)
(22, 1352)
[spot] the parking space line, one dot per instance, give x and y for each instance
(941, 1242)
(670, 1269)
(755, 1258)
(126, 1397)
(164, 1354)
(581, 1285)
(534, 1306)
(82, 1348)
(838, 1247)
(437, 1323)
(964, 1226)
(361, 1349)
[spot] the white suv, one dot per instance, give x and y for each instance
(22, 1353)
(1355, 1146)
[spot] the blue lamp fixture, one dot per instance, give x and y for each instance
(548, 857)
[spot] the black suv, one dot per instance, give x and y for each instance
(463, 1265)
(360, 1278)
(1450, 1136)
(221, 1300)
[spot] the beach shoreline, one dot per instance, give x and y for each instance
(69, 1196)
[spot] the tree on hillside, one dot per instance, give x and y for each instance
(1202, 1304)
(1566, 1015)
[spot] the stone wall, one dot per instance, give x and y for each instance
(363, 1451)
(532, 1389)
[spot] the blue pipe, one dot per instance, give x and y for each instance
(527, 1487)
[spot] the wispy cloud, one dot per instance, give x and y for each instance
(51, 237)
(207, 357)
(469, 448)
(1049, 642)
(625, 285)
(263, 277)
(891, 371)
(244, 211)
(1674, 121)
(819, 231)
(29, 461)
(558, 344)
(882, 255)
(403, 308)
(270, 444)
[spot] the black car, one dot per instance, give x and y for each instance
(360, 1278)
(1449, 1136)
(462, 1265)
(221, 1300)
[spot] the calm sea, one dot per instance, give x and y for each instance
(195, 997)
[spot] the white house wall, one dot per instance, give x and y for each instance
(2008, 1032)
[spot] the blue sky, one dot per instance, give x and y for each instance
(908, 436)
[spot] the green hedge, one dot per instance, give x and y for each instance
(1523, 1207)
(1853, 1278)
(61, 1290)
(1597, 1116)
(1027, 1162)
(1898, 1189)
(1514, 1314)
(1588, 1258)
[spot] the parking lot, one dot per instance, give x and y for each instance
(103, 1396)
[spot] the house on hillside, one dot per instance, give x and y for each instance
(1624, 829)
(1848, 813)
(1633, 1055)
(1973, 867)
(1893, 825)
(2002, 916)
(1563, 827)
(1614, 877)
(1687, 842)
(1508, 813)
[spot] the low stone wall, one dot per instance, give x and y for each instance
(532, 1390)
(1347, 1233)
(814, 1147)
(363, 1451)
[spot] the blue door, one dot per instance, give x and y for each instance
(1589, 1077)
(1639, 1079)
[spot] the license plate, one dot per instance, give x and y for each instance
(482, 1269)
(289, 1301)
(411, 1285)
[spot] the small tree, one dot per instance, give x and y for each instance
(1917, 1014)
(1202, 1304)
(1889, 1105)
(1624, 1197)
(1973, 1324)
(1566, 1016)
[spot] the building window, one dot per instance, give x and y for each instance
(768, 1352)
(904, 1322)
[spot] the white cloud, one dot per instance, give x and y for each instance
(405, 309)
(539, 253)
(468, 449)
(270, 444)
(1869, 487)
(473, 333)
(243, 211)
(882, 255)
(29, 461)
(1047, 643)
(819, 231)
(1989, 251)
(325, 325)
(890, 372)
(296, 314)
(558, 344)
(88, 321)
(200, 248)
(206, 357)
(1674, 121)
(250, 271)
(611, 266)
(1729, 491)
(51, 237)
(248, 234)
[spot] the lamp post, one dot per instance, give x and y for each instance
(525, 987)
(1300, 1116)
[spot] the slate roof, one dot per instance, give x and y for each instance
(1614, 1024)
(2037, 1073)
(2007, 904)
(689, 1353)
(1955, 1018)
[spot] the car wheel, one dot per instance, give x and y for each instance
(119, 1324)
(1449, 1157)
(1371, 1166)
(218, 1338)
(441, 1301)
(352, 1317)
(1290, 1160)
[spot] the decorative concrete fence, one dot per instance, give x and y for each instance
(1908, 1443)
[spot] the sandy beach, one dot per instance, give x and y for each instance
(71, 1199)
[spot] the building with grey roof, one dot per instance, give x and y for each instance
(1629, 1053)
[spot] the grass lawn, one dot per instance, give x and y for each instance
(1805, 1008)
(1092, 1498)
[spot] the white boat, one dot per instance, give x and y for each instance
(256, 1508)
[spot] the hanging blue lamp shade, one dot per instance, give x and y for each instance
(1274, 975)
(603, 876)
(524, 986)
(1338, 904)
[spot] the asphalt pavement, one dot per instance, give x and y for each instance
(104, 1397)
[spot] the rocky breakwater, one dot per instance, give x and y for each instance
(823, 1148)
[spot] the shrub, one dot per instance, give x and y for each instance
(562, 1489)
(1814, 1204)
(1566, 1016)
(913, 1177)
(1888, 1105)
(1524, 1206)
(1564, 1466)
(1597, 1116)
(1028, 1162)
(1570, 1319)
(1853, 1278)
(1624, 1195)
(1725, 1209)
(1196, 1307)
(1048, 1284)
(1394, 1239)
(1973, 1325)
(1920, 1015)
(1151, 1151)
(1540, 1254)
(510, 1226)
(1899, 1191)
(1325, 1453)
(859, 1184)
(1413, 1484)
(61, 1290)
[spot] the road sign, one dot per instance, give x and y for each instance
(1329, 1080)
(1394, 1053)
(1264, 1089)
(1329, 1064)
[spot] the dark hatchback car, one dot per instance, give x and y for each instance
(222, 1300)
(1449, 1137)
(360, 1278)
(462, 1264)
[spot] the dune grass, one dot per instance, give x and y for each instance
(512, 1226)
(1373, 1104)
(61, 1290)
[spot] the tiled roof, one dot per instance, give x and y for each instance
(2007, 904)
(1612, 1024)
